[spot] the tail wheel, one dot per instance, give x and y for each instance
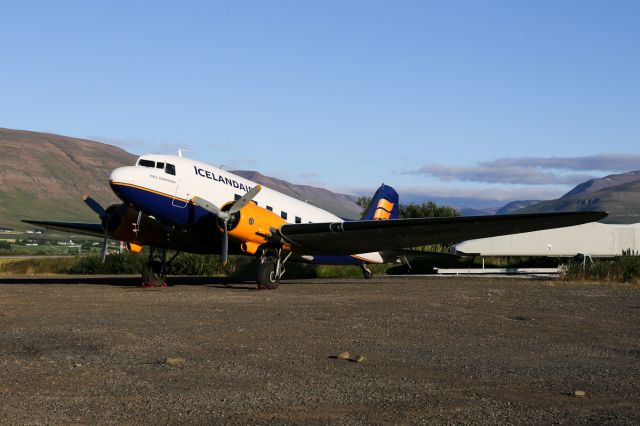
(267, 275)
(366, 272)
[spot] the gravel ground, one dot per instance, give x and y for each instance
(438, 350)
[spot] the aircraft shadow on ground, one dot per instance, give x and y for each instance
(217, 282)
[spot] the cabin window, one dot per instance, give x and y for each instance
(283, 215)
(236, 197)
(270, 208)
(170, 169)
(298, 220)
(159, 165)
(146, 163)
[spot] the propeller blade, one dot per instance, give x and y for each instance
(225, 245)
(210, 207)
(94, 205)
(246, 199)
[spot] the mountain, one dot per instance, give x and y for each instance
(341, 205)
(619, 195)
(594, 185)
(515, 205)
(470, 211)
(43, 176)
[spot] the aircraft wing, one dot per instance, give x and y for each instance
(379, 235)
(92, 229)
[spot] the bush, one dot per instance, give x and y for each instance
(117, 263)
(198, 264)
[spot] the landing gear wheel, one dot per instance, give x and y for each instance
(267, 276)
(151, 275)
(366, 272)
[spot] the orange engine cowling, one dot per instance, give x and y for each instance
(251, 225)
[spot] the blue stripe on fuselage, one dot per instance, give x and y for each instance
(162, 206)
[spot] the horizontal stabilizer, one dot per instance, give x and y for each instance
(390, 256)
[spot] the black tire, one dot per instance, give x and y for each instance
(367, 274)
(267, 275)
(151, 274)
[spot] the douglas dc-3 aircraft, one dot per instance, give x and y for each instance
(175, 203)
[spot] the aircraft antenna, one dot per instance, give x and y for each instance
(181, 150)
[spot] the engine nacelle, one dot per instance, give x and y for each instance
(124, 227)
(251, 225)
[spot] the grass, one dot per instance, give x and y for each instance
(33, 266)
(623, 269)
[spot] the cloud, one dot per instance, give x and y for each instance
(531, 170)
(486, 193)
(600, 162)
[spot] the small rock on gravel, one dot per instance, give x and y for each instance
(175, 361)
(344, 355)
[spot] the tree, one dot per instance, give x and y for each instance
(428, 209)
(364, 202)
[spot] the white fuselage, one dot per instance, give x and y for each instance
(164, 185)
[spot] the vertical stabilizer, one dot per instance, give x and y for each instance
(384, 205)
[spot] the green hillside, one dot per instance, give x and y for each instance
(43, 176)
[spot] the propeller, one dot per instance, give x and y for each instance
(105, 216)
(225, 215)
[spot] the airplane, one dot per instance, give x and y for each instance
(175, 203)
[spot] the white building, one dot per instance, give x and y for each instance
(592, 239)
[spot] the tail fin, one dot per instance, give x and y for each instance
(384, 205)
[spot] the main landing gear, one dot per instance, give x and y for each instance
(271, 271)
(154, 272)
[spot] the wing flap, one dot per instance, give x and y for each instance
(371, 235)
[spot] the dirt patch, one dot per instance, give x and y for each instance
(438, 350)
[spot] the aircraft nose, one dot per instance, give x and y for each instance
(119, 180)
(117, 175)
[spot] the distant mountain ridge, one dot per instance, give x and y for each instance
(342, 205)
(515, 206)
(43, 176)
(617, 194)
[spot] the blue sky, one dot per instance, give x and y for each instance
(491, 100)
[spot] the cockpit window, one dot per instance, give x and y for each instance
(159, 165)
(146, 163)
(170, 169)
